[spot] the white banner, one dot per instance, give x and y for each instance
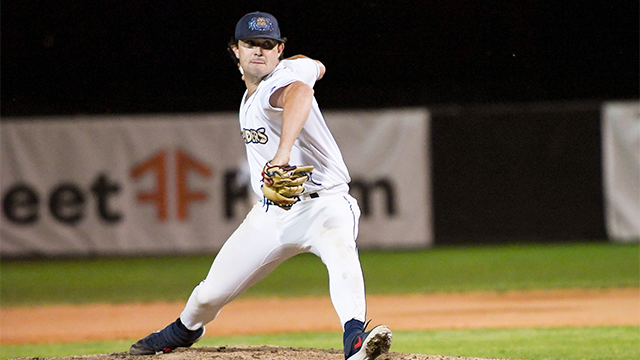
(621, 168)
(117, 185)
(168, 184)
(387, 153)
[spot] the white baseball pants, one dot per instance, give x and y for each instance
(326, 226)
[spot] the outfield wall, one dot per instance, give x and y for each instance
(168, 184)
(536, 172)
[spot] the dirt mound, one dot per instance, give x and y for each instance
(255, 353)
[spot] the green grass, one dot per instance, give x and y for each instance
(504, 268)
(593, 343)
(493, 268)
(456, 269)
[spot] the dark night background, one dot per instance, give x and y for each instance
(117, 56)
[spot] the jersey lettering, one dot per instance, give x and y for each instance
(252, 136)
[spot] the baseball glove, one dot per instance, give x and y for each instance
(282, 184)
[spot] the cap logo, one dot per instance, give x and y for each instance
(260, 24)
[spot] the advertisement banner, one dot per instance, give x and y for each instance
(118, 185)
(387, 153)
(177, 184)
(621, 170)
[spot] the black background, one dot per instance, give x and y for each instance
(117, 56)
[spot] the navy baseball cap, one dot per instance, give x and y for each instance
(258, 25)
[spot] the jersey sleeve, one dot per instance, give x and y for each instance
(290, 71)
(306, 69)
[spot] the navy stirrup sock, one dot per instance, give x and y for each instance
(351, 328)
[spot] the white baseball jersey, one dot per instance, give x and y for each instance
(315, 145)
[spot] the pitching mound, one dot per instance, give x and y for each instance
(256, 353)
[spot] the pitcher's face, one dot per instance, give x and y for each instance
(258, 57)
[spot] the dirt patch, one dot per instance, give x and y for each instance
(257, 353)
(537, 308)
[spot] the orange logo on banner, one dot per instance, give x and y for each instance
(185, 196)
(159, 196)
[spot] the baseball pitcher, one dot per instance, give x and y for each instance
(298, 171)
